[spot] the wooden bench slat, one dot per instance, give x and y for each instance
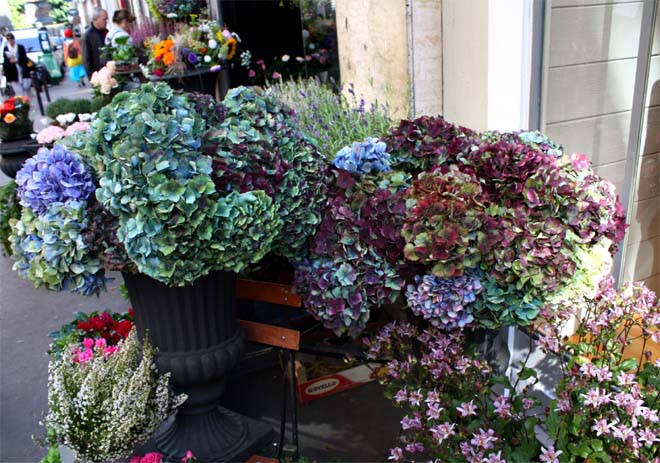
(275, 293)
(271, 335)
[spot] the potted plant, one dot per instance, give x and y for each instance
(179, 194)
(104, 399)
(15, 129)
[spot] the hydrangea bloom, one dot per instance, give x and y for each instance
(368, 156)
(50, 134)
(50, 252)
(445, 302)
(76, 127)
(56, 175)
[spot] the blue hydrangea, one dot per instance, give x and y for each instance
(51, 176)
(50, 252)
(364, 157)
(444, 302)
(538, 140)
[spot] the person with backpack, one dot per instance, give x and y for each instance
(73, 58)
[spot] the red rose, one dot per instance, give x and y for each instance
(116, 338)
(84, 326)
(159, 72)
(131, 313)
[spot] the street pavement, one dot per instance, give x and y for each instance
(352, 426)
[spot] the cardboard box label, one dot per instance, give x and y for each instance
(331, 384)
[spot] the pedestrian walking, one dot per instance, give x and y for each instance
(73, 57)
(94, 40)
(15, 65)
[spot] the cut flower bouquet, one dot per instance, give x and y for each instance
(203, 45)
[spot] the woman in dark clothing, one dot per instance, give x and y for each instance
(15, 64)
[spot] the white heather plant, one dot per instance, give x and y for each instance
(104, 406)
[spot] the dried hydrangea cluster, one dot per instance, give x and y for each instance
(445, 303)
(101, 405)
(178, 197)
(526, 222)
(356, 258)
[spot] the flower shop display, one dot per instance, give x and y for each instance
(493, 226)
(15, 123)
(198, 50)
(179, 193)
(103, 400)
(65, 125)
(176, 9)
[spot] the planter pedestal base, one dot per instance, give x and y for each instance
(225, 435)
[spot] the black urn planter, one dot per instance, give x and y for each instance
(199, 340)
(214, 83)
(14, 153)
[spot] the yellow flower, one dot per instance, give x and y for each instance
(9, 118)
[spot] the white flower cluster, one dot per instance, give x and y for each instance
(106, 407)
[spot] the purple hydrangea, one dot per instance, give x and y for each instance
(364, 157)
(445, 302)
(56, 175)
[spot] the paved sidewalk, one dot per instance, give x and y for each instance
(356, 425)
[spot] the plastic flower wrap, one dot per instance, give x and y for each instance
(56, 175)
(258, 146)
(363, 157)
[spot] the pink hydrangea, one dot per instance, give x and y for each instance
(50, 134)
(76, 127)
